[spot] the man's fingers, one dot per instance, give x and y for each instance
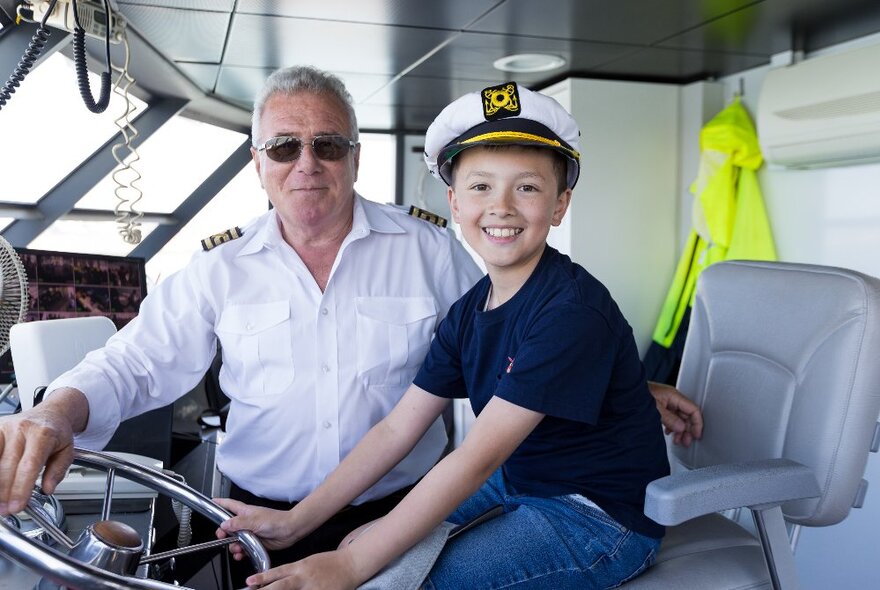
(56, 469)
(29, 459)
(10, 454)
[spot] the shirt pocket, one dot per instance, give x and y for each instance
(393, 335)
(257, 348)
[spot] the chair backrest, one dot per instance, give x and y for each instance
(45, 349)
(787, 364)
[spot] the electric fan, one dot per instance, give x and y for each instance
(13, 292)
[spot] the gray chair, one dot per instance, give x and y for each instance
(784, 360)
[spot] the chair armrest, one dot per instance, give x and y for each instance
(676, 498)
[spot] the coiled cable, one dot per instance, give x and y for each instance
(183, 514)
(82, 71)
(124, 175)
(34, 48)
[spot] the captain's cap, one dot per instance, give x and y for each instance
(503, 114)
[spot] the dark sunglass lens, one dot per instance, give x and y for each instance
(330, 147)
(285, 151)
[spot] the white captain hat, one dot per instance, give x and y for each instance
(503, 114)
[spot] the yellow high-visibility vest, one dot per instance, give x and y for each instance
(730, 221)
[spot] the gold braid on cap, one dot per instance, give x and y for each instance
(508, 135)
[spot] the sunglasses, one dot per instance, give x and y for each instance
(287, 148)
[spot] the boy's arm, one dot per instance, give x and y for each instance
(680, 416)
(383, 447)
(497, 432)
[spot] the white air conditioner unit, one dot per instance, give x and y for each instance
(823, 111)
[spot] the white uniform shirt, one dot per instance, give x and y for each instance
(308, 373)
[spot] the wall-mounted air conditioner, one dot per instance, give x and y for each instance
(823, 111)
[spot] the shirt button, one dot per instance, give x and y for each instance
(249, 327)
(325, 368)
(324, 311)
(326, 424)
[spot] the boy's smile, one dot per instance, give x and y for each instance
(506, 199)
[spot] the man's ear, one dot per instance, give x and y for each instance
(562, 203)
(256, 156)
(453, 203)
(357, 160)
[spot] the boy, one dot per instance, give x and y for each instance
(567, 435)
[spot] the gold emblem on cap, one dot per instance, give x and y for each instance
(500, 101)
(221, 238)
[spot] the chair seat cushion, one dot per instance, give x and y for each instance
(707, 552)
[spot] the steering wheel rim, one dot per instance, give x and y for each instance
(66, 571)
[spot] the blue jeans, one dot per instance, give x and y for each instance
(547, 543)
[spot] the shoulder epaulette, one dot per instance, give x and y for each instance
(427, 216)
(221, 238)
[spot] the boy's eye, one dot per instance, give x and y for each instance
(528, 188)
(479, 187)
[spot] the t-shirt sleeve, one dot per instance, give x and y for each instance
(563, 366)
(441, 372)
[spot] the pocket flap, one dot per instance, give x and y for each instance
(252, 318)
(396, 310)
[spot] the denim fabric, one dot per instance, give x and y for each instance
(547, 543)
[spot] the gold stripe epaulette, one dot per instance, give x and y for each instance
(221, 238)
(427, 216)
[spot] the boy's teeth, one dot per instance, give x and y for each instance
(497, 232)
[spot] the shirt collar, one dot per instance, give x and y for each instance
(367, 217)
(374, 217)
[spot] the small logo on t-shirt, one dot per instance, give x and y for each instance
(510, 366)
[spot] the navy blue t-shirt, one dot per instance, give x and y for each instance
(560, 346)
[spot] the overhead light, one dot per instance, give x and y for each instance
(529, 62)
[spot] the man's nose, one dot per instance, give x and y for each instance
(308, 162)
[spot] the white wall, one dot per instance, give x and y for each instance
(623, 215)
(828, 216)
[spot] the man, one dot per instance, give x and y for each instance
(324, 307)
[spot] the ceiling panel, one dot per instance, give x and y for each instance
(641, 22)
(241, 84)
(448, 14)
(679, 66)
(779, 25)
(404, 59)
(204, 75)
(471, 56)
(272, 41)
(215, 5)
(181, 35)
(432, 93)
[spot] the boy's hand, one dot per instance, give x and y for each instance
(680, 416)
(275, 528)
(333, 570)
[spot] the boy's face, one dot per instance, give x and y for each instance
(506, 200)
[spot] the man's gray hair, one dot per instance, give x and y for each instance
(302, 79)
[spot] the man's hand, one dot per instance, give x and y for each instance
(41, 436)
(275, 528)
(333, 570)
(680, 416)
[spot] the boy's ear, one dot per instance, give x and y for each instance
(562, 203)
(453, 203)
